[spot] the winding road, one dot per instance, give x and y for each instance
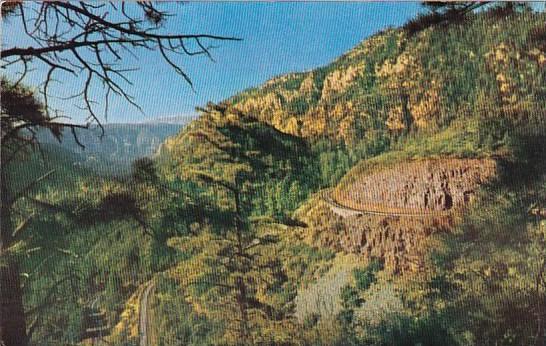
(326, 196)
(345, 211)
(143, 313)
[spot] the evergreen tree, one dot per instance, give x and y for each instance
(237, 271)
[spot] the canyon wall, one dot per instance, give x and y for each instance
(418, 186)
(400, 242)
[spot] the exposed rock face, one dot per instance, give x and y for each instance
(422, 186)
(340, 80)
(401, 242)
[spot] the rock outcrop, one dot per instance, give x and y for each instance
(399, 242)
(426, 187)
(418, 186)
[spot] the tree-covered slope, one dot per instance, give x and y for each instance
(394, 82)
(226, 205)
(83, 243)
(284, 167)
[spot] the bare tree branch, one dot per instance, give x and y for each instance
(30, 186)
(90, 39)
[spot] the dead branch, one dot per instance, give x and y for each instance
(73, 39)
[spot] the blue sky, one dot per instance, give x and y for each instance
(278, 37)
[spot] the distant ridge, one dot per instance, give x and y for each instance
(122, 143)
(177, 119)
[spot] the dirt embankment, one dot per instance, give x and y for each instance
(418, 186)
(426, 186)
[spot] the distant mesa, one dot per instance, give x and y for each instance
(122, 143)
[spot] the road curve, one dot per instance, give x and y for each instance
(345, 211)
(143, 314)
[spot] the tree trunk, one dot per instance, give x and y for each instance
(406, 115)
(12, 314)
(242, 298)
(539, 339)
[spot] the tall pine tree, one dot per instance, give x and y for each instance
(238, 273)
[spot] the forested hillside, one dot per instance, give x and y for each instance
(393, 197)
(396, 82)
(464, 91)
(87, 234)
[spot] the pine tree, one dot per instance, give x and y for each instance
(236, 267)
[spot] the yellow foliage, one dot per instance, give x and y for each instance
(424, 107)
(262, 106)
(347, 130)
(128, 327)
(308, 84)
(538, 55)
(396, 72)
(339, 80)
(292, 126)
(394, 120)
(314, 124)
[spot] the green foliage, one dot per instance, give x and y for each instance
(490, 67)
(174, 321)
(336, 160)
(365, 277)
(273, 157)
(351, 295)
(500, 263)
(406, 330)
(239, 275)
(298, 106)
(144, 170)
(351, 299)
(466, 138)
(293, 83)
(303, 262)
(494, 255)
(206, 212)
(86, 243)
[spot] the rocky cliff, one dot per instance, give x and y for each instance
(418, 186)
(423, 187)
(399, 242)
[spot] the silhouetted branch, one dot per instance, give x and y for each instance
(442, 12)
(82, 38)
(30, 186)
